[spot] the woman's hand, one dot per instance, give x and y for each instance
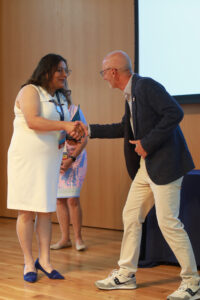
(83, 128)
(76, 130)
(79, 146)
(72, 142)
(66, 163)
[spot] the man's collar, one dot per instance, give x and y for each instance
(127, 90)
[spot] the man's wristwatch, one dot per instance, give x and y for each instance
(72, 157)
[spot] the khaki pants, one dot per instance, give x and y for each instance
(142, 196)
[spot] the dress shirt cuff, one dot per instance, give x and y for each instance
(89, 130)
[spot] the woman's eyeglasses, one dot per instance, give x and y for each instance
(61, 70)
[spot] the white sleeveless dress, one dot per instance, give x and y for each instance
(34, 160)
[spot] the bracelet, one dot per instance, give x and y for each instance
(72, 157)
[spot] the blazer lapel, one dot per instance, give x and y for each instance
(134, 114)
(134, 103)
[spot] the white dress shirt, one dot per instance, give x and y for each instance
(127, 95)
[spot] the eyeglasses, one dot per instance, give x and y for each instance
(103, 71)
(61, 70)
(68, 72)
(119, 69)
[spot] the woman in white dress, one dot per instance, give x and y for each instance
(34, 158)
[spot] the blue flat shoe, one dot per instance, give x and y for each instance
(30, 277)
(53, 275)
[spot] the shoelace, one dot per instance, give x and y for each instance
(116, 272)
(113, 272)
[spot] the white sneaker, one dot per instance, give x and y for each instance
(117, 281)
(186, 291)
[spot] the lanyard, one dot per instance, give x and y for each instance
(58, 106)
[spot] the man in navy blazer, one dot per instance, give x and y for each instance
(157, 157)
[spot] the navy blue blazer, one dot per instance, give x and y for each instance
(156, 116)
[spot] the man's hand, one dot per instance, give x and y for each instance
(81, 129)
(76, 130)
(138, 148)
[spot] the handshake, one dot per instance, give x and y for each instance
(76, 130)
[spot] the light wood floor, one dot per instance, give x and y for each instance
(81, 270)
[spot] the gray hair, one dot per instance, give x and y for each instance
(120, 60)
